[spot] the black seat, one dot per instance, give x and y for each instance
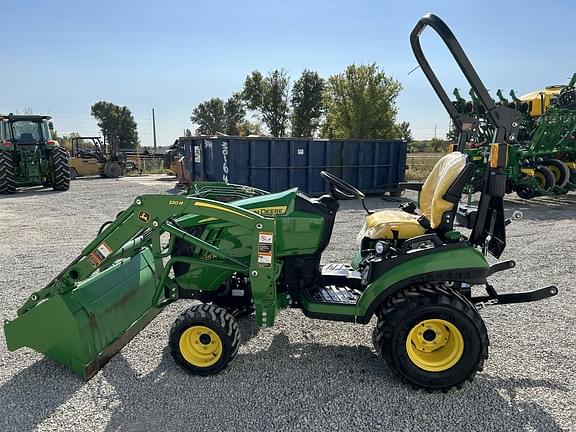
(26, 138)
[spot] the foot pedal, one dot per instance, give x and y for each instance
(333, 294)
(341, 274)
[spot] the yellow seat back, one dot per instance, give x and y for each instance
(443, 175)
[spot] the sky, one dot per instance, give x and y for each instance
(59, 57)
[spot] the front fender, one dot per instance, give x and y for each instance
(461, 264)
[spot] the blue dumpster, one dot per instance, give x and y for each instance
(275, 164)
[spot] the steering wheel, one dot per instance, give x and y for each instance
(340, 189)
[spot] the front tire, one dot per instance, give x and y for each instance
(112, 169)
(431, 336)
(204, 339)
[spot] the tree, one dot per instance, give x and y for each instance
(209, 116)
(216, 116)
(64, 140)
(307, 105)
(269, 97)
(116, 123)
(403, 131)
(235, 112)
(361, 103)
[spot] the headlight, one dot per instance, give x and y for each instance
(380, 247)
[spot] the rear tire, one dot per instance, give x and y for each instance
(560, 171)
(204, 339)
(60, 171)
(431, 336)
(7, 173)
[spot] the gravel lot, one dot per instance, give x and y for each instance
(302, 374)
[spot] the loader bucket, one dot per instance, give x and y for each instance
(83, 328)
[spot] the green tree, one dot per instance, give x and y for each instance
(116, 123)
(361, 103)
(210, 117)
(216, 116)
(64, 140)
(404, 132)
(235, 112)
(269, 97)
(307, 104)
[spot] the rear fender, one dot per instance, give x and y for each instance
(463, 264)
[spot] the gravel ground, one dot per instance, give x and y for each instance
(302, 374)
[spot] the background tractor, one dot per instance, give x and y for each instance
(29, 156)
(244, 251)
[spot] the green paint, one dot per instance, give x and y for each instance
(443, 260)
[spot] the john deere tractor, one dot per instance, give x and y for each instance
(29, 156)
(244, 251)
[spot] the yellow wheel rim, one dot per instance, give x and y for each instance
(540, 179)
(556, 172)
(200, 346)
(435, 345)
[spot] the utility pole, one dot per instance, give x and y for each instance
(154, 129)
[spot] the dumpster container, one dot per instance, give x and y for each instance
(275, 164)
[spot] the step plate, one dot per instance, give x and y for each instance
(333, 295)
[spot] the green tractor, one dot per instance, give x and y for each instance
(243, 251)
(29, 156)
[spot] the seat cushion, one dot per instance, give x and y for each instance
(379, 225)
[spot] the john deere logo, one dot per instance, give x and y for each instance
(270, 211)
(144, 217)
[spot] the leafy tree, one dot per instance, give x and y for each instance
(269, 97)
(307, 105)
(116, 123)
(215, 115)
(361, 103)
(235, 112)
(64, 140)
(210, 117)
(403, 131)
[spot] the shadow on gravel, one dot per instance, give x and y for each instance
(23, 193)
(308, 386)
(34, 394)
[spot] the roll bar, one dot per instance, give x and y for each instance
(505, 120)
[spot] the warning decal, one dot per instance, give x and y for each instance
(99, 255)
(265, 241)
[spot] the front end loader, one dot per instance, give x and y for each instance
(244, 251)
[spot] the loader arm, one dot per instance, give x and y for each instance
(142, 225)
